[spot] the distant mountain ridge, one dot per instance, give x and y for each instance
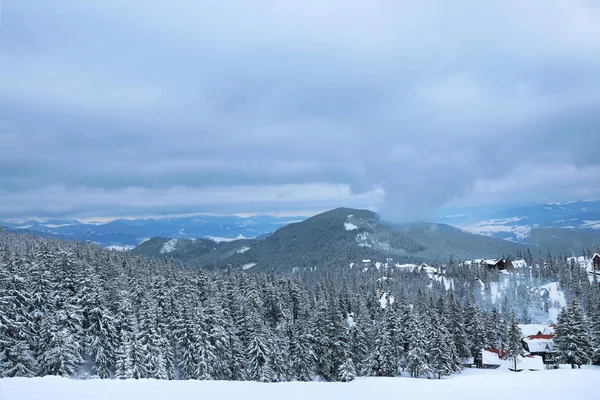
(567, 226)
(336, 237)
(131, 232)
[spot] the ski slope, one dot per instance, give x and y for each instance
(477, 384)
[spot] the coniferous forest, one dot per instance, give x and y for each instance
(77, 310)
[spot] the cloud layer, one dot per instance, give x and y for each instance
(143, 107)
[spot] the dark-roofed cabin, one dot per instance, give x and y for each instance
(596, 261)
(499, 264)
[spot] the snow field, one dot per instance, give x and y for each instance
(478, 384)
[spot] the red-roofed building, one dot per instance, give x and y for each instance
(489, 358)
(540, 345)
(499, 353)
(541, 336)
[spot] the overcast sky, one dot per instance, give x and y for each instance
(139, 107)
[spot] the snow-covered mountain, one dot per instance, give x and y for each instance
(336, 237)
(126, 233)
(569, 221)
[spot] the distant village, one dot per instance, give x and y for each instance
(538, 339)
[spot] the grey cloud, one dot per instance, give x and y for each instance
(423, 100)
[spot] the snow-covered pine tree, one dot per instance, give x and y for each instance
(123, 359)
(187, 339)
(137, 353)
(16, 322)
(60, 352)
(302, 355)
(346, 372)
(416, 361)
(101, 334)
(572, 340)
(474, 328)
(456, 326)
(152, 342)
(361, 335)
(513, 341)
(439, 352)
(258, 355)
(61, 328)
(382, 359)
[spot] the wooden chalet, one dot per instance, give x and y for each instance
(499, 264)
(540, 345)
(596, 261)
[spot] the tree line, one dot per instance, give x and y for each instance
(76, 310)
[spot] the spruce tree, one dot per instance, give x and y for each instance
(302, 355)
(416, 360)
(16, 323)
(572, 340)
(513, 341)
(439, 351)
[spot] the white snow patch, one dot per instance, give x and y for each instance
(120, 248)
(385, 299)
(349, 226)
(23, 227)
(243, 249)
(591, 224)
(218, 239)
(248, 266)
(52, 226)
(534, 329)
(168, 246)
(350, 321)
(363, 239)
(142, 240)
(556, 295)
(532, 363)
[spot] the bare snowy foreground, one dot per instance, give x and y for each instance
(479, 384)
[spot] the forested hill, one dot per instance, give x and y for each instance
(74, 309)
(336, 237)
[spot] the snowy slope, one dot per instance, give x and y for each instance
(477, 384)
(169, 246)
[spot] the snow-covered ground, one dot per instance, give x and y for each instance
(242, 250)
(120, 248)
(248, 266)
(350, 227)
(493, 227)
(217, 239)
(478, 384)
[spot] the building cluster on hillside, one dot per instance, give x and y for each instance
(500, 264)
(538, 350)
